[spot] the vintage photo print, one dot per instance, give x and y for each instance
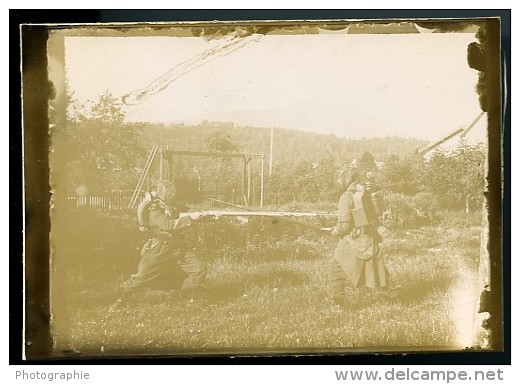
(277, 187)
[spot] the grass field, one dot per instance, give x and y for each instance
(267, 291)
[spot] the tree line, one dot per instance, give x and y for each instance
(105, 153)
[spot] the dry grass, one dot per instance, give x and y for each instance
(267, 292)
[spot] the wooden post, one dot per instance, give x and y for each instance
(253, 190)
(161, 166)
(271, 153)
(244, 180)
(170, 167)
(262, 183)
(248, 181)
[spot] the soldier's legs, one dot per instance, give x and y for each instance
(337, 282)
(384, 280)
(195, 269)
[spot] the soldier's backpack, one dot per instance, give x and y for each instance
(364, 212)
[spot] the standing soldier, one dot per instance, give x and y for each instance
(356, 260)
(166, 245)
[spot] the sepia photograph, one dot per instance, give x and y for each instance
(271, 187)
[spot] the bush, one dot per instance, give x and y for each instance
(407, 211)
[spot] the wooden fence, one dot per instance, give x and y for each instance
(107, 202)
(119, 202)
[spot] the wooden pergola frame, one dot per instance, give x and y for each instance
(166, 154)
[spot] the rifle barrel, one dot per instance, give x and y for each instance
(261, 213)
(287, 219)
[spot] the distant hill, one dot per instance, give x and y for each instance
(304, 163)
(289, 146)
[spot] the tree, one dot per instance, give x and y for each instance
(225, 180)
(103, 149)
(220, 141)
(471, 162)
(403, 175)
(366, 162)
(457, 177)
(305, 181)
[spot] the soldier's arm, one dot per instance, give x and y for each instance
(345, 223)
(165, 223)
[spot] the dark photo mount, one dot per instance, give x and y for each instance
(33, 321)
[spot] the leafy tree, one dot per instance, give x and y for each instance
(472, 160)
(403, 175)
(366, 162)
(224, 175)
(305, 181)
(220, 141)
(457, 177)
(103, 149)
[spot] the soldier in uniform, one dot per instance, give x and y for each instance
(357, 260)
(166, 246)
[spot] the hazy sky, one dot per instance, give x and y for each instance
(352, 85)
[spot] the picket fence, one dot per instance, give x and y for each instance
(120, 202)
(107, 202)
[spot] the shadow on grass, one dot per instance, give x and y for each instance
(226, 291)
(278, 278)
(279, 251)
(220, 293)
(216, 292)
(410, 294)
(407, 295)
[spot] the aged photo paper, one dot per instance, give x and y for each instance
(285, 187)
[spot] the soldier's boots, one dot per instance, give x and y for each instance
(194, 295)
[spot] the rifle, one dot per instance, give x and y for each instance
(255, 213)
(282, 216)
